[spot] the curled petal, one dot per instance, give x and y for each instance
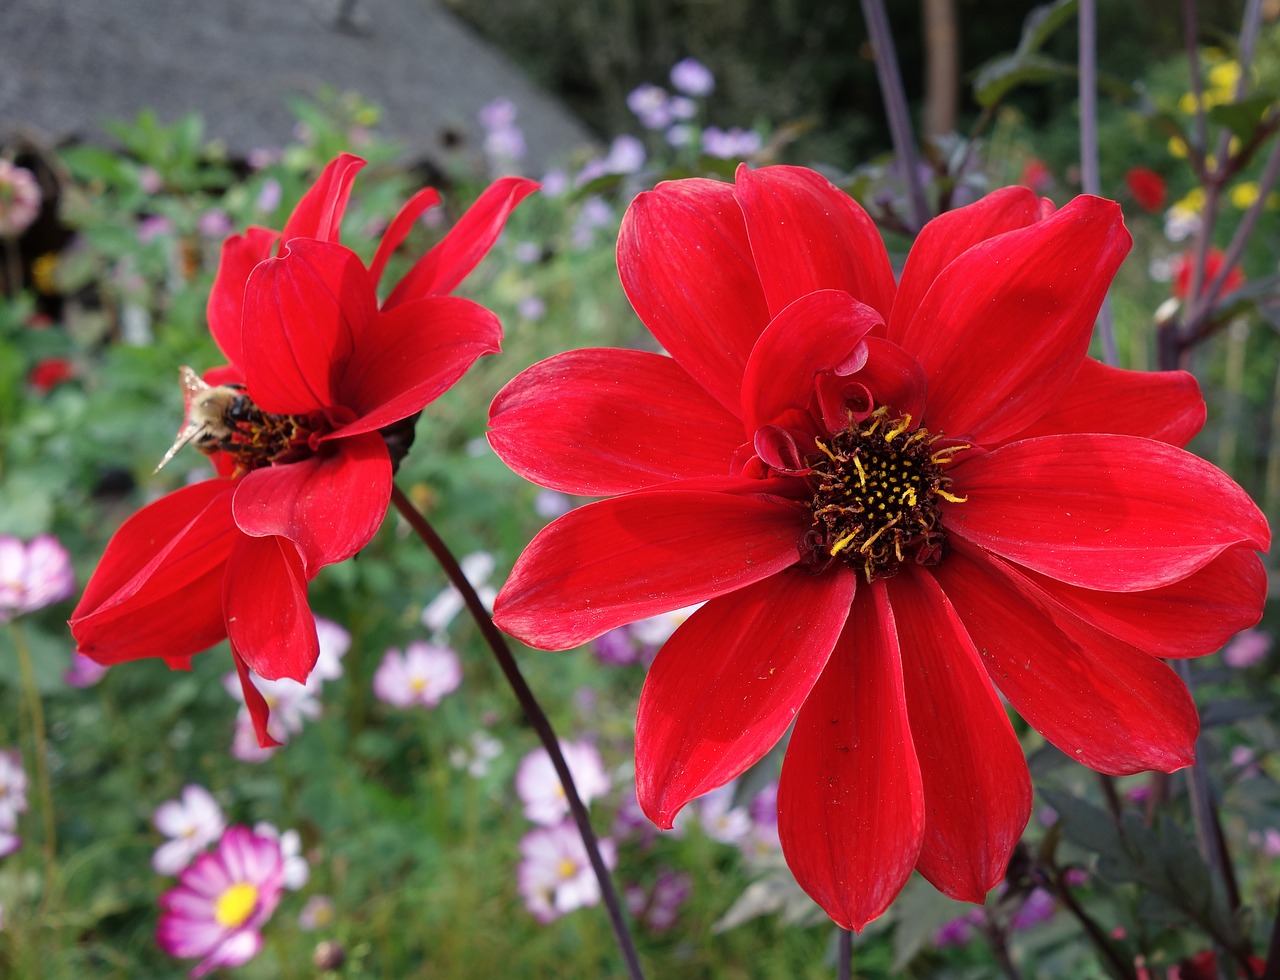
(259, 711)
(808, 234)
(600, 422)
(1102, 702)
(409, 357)
(635, 556)
(329, 505)
(1003, 329)
(1162, 405)
(309, 307)
(319, 213)
(157, 590)
(687, 268)
(1115, 513)
(225, 310)
(850, 801)
(466, 243)
(268, 619)
(949, 235)
(977, 791)
(817, 333)
(894, 378)
(727, 684)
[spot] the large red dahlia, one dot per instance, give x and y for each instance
(316, 367)
(894, 500)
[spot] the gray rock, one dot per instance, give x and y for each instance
(66, 65)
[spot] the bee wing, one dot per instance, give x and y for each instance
(192, 385)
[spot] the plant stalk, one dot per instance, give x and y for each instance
(536, 716)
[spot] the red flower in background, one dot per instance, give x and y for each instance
(1185, 264)
(316, 368)
(49, 373)
(1147, 187)
(893, 500)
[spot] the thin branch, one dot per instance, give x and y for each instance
(895, 107)
(1089, 172)
(536, 716)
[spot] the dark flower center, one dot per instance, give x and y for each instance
(233, 424)
(877, 486)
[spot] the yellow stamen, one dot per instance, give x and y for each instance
(843, 543)
(235, 905)
(904, 423)
(950, 496)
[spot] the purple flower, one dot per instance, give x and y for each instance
(268, 196)
(554, 876)
(531, 308)
(222, 901)
(191, 823)
(318, 913)
(83, 671)
(617, 647)
(19, 198)
(651, 105)
(1038, 907)
(659, 908)
(720, 819)
(422, 675)
(692, 77)
(214, 223)
(730, 144)
(957, 932)
(33, 575)
(334, 644)
(498, 114)
(1247, 648)
(153, 226)
(539, 787)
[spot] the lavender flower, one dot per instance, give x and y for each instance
(192, 823)
(422, 675)
(33, 575)
(539, 787)
(692, 77)
(554, 876)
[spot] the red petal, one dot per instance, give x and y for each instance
(158, 590)
(1189, 618)
(817, 332)
(687, 269)
(600, 422)
(411, 356)
(894, 377)
(467, 242)
(268, 618)
(631, 557)
(1002, 331)
(309, 308)
(729, 681)
(977, 791)
(400, 227)
(850, 803)
(1116, 513)
(225, 310)
(259, 713)
(1102, 702)
(807, 234)
(319, 213)
(329, 505)
(948, 236)
(1163, 405)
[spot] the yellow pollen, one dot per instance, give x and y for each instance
(417, 685)
(904, 423)
(950, 496)
(843, 543)
(235, 905)
(567, 868)
(862, 474)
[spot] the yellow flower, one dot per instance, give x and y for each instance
(1193, 202)
(1224, 78)
(1243, 195)
(1178, 147)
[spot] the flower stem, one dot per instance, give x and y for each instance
(895, 107)
(844, 954)
(534, 713)
(41, 750)
(1089, 172)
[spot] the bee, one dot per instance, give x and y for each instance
(214, 415)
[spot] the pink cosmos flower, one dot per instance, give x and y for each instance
(221, 901)
(555, 876)
(192, 823)
(539, 787)
(83, 671)
(33, 575)
(422, 675)
(296, 869)
(19, 198)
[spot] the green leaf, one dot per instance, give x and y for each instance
(1243, 117)
(998, 77)
(1043, 22)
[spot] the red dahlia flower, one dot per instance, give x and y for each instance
(894, 500)
(316, 368)
(1147, 187)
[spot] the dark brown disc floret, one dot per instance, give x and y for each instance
(877, 489)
